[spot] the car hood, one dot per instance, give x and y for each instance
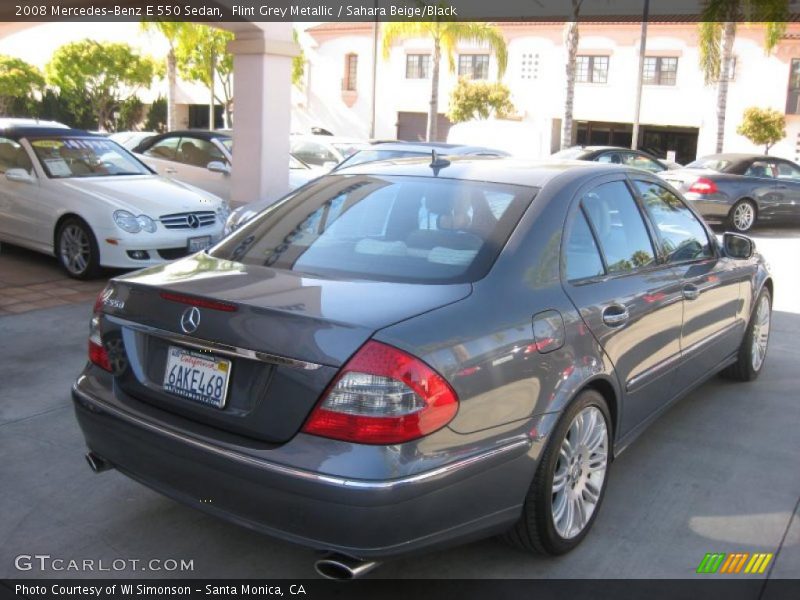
(148, 194)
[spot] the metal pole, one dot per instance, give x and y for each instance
(640, 78)
(374, 73)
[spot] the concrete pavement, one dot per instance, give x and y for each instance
(717, 473)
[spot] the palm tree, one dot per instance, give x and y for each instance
(446, 37)
(571, 37)
(717, 33)
(171, 31)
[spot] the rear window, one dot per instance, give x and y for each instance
(714, 164)
(406, 229)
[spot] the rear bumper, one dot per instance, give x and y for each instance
(469, 498)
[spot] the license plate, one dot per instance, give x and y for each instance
(197, 376)
(199, 243)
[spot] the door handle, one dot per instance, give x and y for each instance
(615, 315)
(780, 186)
(170, 171)
(691, 292)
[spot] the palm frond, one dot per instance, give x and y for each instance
(479, 33)
(710, 41)
(395, 31)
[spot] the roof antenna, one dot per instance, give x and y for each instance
(437, 163)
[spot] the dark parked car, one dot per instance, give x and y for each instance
(741, 189)
(410, 355)
(617, 156)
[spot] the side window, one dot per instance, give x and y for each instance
(164, 149)
(581, 256)
(788, 171)
(313, 153)
(759, 168)
(682, 235)
(197, 153)
(610, 158)
(641, 162)
(620, 229)
(13, 156)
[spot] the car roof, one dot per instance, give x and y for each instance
(736, 156)
(426, 147)
(19, 132)
(6, 122)
(513, 171)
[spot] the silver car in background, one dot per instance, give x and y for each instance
(740, 190)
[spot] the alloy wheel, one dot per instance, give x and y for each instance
(75, 249)
(580, 472)
(743, 216)
(760, 335)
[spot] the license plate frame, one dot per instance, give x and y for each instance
(181, 365)
(197, 244)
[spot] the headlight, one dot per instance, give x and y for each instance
(133, 224)
(223, 212)
(127, 221)
(146, 223)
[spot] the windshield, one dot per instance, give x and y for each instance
(365, 156)
(714, 164)
(296, 163)
(407, 229)
(85, 157)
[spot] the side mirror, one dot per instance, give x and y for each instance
(20, 176)
(217, 166)
(738, 246)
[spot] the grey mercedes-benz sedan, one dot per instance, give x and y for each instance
(413, 354)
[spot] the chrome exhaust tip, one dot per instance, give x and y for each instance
(343, 568)
(97, 463)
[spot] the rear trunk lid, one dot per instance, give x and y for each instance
(285, 335)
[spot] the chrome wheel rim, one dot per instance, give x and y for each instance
(75, 249)
(580, 472)
(760, 333)
(743, 216)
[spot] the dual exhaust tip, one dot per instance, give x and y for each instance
(331, 566)
(97, 463)
(343, 568)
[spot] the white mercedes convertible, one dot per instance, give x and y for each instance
(91, 203)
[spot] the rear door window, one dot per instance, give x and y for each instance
(761, 169)
(581, 255)
(407, 229)
(619, 227)
(682, 236)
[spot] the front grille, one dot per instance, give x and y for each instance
(172, 253)
(188, 220)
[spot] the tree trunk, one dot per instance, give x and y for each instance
(433, 111)
(211, 93)
(728, 35)
(569, 98)
(172, 86)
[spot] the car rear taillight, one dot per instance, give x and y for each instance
(703, 186)
(383, 396)
(98, 354)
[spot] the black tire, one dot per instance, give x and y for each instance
(739, 224)
(71, 229)
(535, 531)
(743, 369)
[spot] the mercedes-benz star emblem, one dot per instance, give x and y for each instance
(190, 319)
(193, 221)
